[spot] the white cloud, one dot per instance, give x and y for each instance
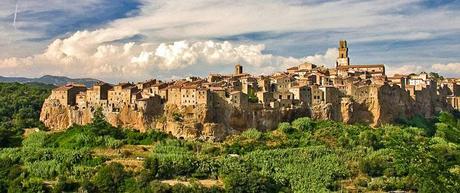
(406, 69)
(90, 54)
(328, 59)
(93, 54)
(447, 68)
(377, 20)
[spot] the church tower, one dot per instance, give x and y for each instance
(343, 59)
(238, 69)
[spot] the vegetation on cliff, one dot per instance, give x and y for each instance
(302, 156)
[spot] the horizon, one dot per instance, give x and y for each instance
(135, 40)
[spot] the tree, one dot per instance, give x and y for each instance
(110, 177)
(252, 182)
(436, 76)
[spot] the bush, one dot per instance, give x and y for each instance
(303, 124)
(286, 128)
(377, 162)
(249, 182)
(110, 177)
(252, 134)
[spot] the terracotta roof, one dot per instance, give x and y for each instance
(293, 68)
(190, 87)
(174, 86)
(160, 84)
(303, 70)
(68, 86)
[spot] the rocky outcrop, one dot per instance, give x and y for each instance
(190, 122)
(59, 117)
(370, 104)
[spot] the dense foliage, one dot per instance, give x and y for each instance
(306, 155)
(19, 108)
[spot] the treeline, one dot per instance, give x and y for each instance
(20, 106)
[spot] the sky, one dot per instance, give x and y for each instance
(134, 40)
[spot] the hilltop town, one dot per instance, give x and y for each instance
(215, 106)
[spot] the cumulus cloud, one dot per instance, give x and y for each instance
(449, 69)
(328, 59)
(92, 54)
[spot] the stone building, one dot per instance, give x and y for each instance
(188, 95)
(67, 94)
(121, 95)
(174, 95)
(98, 93)
(301, 93)
(238, 99)
(454, 102)
(280, 83)
(317, 95)
(204, 96)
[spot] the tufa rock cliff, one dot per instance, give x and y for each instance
(369, 104)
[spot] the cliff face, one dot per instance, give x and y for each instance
(185, 122)
(209, 123)
(373, 105)
(380, 104)
(59, 117)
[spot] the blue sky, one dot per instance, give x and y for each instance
(177, 38)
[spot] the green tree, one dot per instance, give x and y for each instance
(109, 178)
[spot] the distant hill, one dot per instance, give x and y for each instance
(48, 79)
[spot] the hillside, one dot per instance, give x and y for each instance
(48, 79)
(306, 155)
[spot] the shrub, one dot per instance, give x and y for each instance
(285, 127)
(109, 178)
(377, 162)
(303, 124)
(252, 134)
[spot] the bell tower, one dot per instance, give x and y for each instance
(343, 59)
(238, 69)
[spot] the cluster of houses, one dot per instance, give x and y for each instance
(304, 85)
